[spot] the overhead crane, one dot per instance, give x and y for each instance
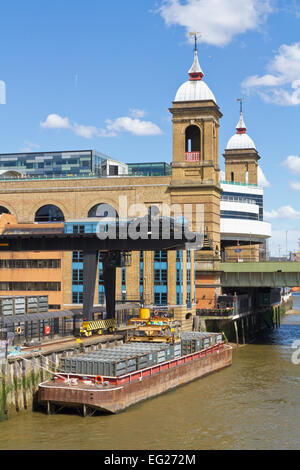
(82, 235)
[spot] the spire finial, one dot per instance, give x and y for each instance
(240, 100)
(195, 71)
(241, 127)
(194, 34)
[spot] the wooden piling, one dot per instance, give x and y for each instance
(24, 384)
(236, 333)
(243, 330)
(16, 386)
(3, 389)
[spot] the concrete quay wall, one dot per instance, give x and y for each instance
(21, 375)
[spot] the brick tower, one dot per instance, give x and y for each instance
(195, 168)
(241, 156)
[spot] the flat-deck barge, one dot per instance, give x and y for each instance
(115, 394)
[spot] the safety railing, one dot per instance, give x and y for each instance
(215, 312)
(192, 156)
(239, 184)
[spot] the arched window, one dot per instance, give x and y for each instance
(49, 213)
(192, 143)
(103, 210)
(3, 210)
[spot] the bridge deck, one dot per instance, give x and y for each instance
(261, 266)
(260, 274)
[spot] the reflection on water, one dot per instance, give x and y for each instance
(255, 404)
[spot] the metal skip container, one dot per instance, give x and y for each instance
(6, 306)
(120, 360)
(43, 303)
(31, 304)
(19, 305)
(194, 341)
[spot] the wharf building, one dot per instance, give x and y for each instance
(56, 187)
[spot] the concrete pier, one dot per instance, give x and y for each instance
(243, 328)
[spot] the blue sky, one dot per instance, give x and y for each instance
(102, 75)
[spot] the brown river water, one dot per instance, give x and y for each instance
(255, 404)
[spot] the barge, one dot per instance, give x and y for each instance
(112, 394)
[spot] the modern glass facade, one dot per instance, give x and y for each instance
(141, 277)
(149, 169)
(243, 197)
(179, 277)
(83, 163)
(77, 277)
(188, 279)
(101, 291)
(73, 164)
(160, 281)
(239, 215)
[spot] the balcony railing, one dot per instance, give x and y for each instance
(215, 312)
(192, 156)
(240, 184)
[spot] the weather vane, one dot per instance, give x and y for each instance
(195, 35)
(240, 100)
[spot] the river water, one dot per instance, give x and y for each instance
(255, 404)
(296, 301)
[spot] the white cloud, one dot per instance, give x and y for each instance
(284, 212)
(293, 163)
(29, 146)
(295, 185)
(282, 241)
(2, 92)
(134, 126)
(137, 113)
(85, 131)
(222, 175)
(281, 85)
(55, 121)
(262, 180)
(218, 20)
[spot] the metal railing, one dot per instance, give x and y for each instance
(239, 184)
(243, 200)
(192, 156)
(48, 177)
(215, 312)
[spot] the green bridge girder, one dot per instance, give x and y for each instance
(260, 274)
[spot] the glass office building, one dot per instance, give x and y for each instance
(73, 164)
(149, 169)
(52, 164)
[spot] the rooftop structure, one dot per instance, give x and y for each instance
(195, 89)
(240, 140)
(241, 206)
(79, 163)
(72, 165)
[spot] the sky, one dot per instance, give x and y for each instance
(102, 75)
